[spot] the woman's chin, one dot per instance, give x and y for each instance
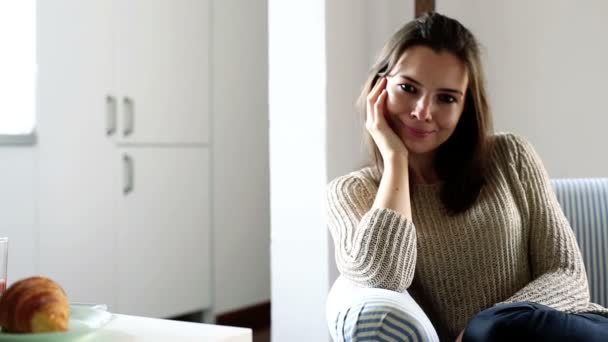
(418, 146)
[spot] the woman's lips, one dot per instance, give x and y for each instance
(417, 132)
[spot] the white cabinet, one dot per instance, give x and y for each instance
(163, 68)
(163, 243)
(146, 251)
(77, 171)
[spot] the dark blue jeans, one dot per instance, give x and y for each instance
(534, 322)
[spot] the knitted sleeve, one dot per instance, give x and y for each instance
(373, 248)
(557, 266)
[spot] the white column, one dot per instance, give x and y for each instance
(297, 81)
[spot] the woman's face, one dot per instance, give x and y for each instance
(426, 93)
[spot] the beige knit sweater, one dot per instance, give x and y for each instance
(513, 245)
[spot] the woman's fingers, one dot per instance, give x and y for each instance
(372, 99)
(379, 107)
(377, 124)
(376, 89)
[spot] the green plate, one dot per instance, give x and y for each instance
(84, 320)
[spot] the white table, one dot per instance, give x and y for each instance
(125, 328)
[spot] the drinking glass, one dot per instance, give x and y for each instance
(3, 262)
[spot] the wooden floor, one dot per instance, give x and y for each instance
(261, 335)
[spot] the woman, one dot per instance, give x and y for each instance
(462, 220)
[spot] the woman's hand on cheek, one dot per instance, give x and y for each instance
(388, 142)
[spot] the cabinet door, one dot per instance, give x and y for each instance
(164, 238)
(77, 173)
(163, 59)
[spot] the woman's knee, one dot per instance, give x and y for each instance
(355, 312)
(533, 322)
(382, 321)
(499, 323)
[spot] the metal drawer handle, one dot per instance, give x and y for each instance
(110, 115)
(129, 173)
(129, 110)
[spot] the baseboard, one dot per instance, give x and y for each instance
(255, 316)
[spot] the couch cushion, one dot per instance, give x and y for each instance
(585, 204)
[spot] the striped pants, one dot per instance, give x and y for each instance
(365, 314)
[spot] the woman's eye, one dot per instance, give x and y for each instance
(408, 88)
(445, 98)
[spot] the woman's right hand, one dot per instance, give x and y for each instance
(388, 142)
(393, 190)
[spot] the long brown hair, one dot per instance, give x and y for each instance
(461, 162)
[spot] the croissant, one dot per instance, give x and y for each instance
(34, 305)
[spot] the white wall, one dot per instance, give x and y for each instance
(320, 52)
(241, 197)
(18, 203)
(546, 67)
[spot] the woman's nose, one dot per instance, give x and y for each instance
(422, 111)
